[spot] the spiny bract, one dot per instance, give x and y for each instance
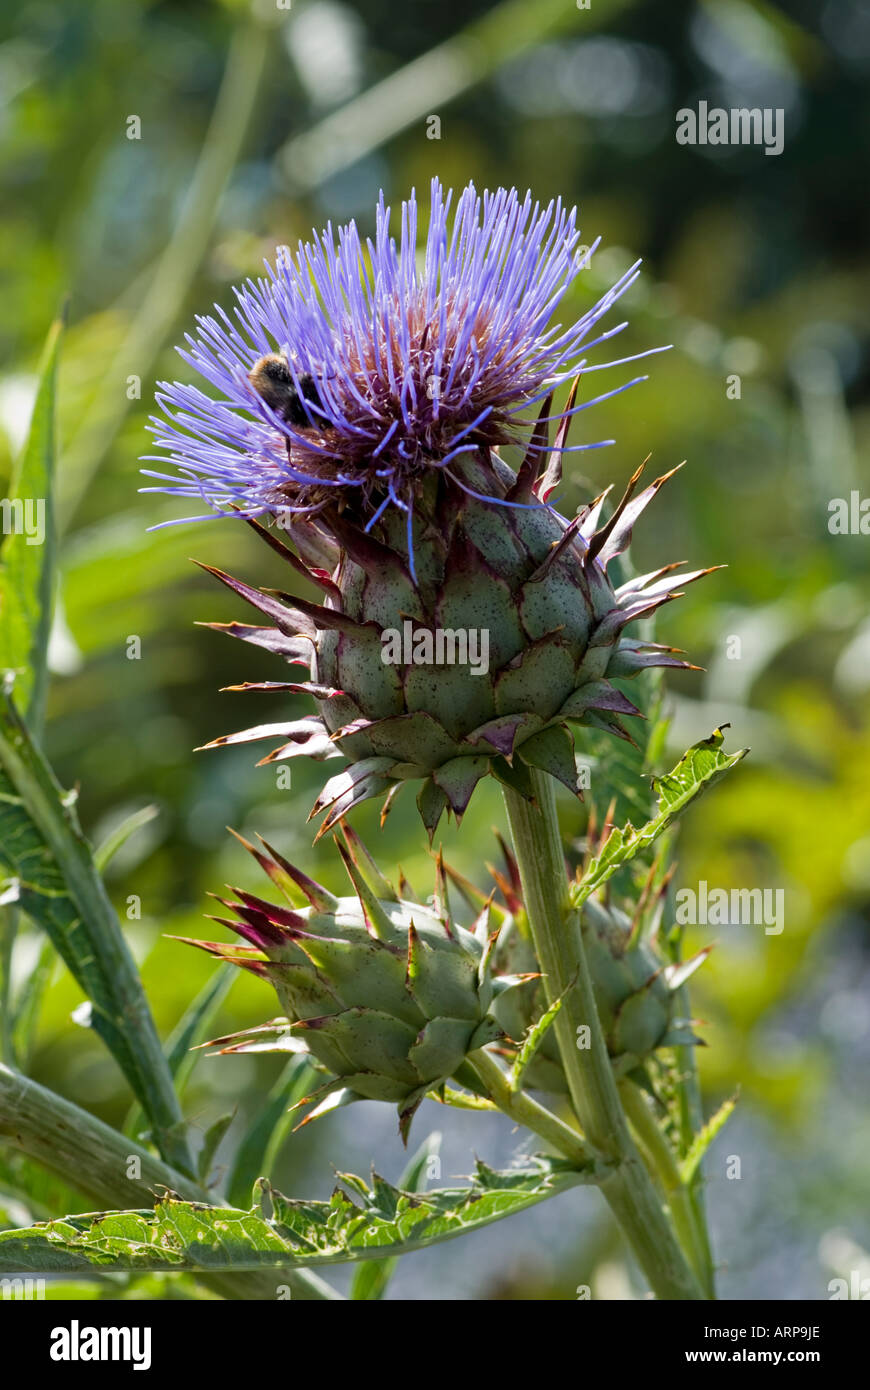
(390, 996)
(519, 576)
(635, 987)
(634, 992)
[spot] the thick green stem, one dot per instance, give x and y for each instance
(521, 1107)
(98, 1161)
(661, 1157)
(691, 1122)
(690, 1111)
(556, 934)
(555, 930)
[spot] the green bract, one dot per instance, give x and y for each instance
(635, 986)
(635, 992)
(389, 996)
(518, 577)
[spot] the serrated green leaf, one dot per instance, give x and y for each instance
(45, 857)
(27, 561)
(105, 852)
(256, 1153)
(372, 1277)
(535, 1035)
(698, 769)
(704, 1138)
(384, 1221)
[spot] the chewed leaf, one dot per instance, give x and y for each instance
(698, 769)
(372, 1276)
(377, 1220)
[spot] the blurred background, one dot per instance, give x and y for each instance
(152, 155)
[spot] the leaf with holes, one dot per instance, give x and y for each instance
(357, 1223)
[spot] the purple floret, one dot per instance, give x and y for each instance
(416, 359)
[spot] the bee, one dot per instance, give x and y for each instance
(273, 381)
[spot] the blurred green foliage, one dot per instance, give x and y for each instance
(756, 268)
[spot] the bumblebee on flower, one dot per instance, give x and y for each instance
(351, 372)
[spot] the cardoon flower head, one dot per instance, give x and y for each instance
(352, 371)
(365, 397)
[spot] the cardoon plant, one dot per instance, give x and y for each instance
(366, 400)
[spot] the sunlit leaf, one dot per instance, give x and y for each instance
(698, 769)
(371, 1277)
(703, 1140)
(534, 1036)
(379, 1220)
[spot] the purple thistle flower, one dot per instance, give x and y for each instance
(364, 393)
(350, 372)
